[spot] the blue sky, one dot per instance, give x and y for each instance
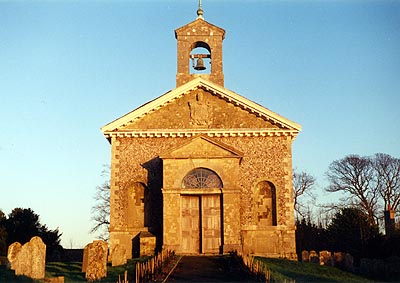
(69, 67)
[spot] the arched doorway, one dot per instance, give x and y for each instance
(201, 212)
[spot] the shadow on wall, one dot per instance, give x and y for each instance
(153, 208)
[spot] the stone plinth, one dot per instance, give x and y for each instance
(147, 244)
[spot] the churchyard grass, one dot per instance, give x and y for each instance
(72, 271)
(281, 270)
(7, 275)
(285, 270)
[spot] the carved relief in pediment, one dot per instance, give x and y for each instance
(199, 109)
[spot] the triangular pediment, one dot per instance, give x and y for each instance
(202, 147)
(201, 106)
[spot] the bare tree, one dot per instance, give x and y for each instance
(388, 178)
(355, 176)
(302, 185)
(101, 209)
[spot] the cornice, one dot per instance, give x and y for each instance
(173, 133)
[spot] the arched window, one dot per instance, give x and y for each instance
(266, 203)
(201, 178)
(136, 205)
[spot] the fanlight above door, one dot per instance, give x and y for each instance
(200, 178)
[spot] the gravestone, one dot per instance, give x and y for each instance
(96, 267)
(348, 262)
(12, 253)
(305, 256)
(338, 259)
(314, 258)
(85, 257)
(326, 258)
(38, 257)
(30, 260)
(118, 255)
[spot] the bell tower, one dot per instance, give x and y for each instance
(199, 51)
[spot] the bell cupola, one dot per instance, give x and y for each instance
(199, 51)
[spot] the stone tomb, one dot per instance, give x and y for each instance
(94, 262)
(144, 244)
(29, 259)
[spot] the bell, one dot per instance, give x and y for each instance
(200, 65)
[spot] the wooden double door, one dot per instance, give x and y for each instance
(201, 224)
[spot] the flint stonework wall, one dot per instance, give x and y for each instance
(265, 159)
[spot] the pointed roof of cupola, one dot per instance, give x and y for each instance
(190, 28)
(200, 19)
(203, 25)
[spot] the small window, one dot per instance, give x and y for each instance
(201, 178)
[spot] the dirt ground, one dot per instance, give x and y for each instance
(206, 269)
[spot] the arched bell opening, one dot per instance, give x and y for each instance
(200, 58)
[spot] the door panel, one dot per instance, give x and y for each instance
(211, 223)
(190, 224)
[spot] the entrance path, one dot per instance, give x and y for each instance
(222, 268)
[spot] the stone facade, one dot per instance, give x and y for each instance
(202, 168)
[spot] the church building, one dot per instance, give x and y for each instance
(202, 168)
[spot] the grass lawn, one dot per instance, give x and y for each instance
(72, 271)
(282, 269)
(9, 276)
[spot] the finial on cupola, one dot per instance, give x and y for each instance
(200, 11)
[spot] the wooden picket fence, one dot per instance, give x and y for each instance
(257, 268)
(148, 270)
(125, 280)
(260, 269)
